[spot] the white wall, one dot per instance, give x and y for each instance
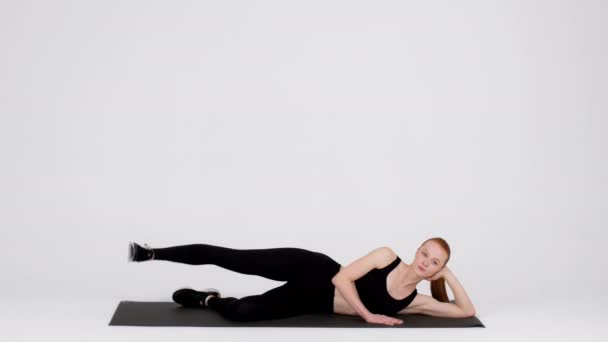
(336, 126)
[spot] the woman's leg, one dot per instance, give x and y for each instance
(280, 264)
(281, 302)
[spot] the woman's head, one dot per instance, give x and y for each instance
(433, 255)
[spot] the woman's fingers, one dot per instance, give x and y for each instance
(394, 321)
(383, 319)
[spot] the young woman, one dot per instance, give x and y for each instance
(374, 286)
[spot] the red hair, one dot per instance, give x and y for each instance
(438, 290)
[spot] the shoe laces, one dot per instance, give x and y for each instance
(149, 248)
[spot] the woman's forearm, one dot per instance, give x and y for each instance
(461, 298)
(348, 290)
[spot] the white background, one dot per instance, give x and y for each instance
(336, 126)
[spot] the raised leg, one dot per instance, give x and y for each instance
(280, 264)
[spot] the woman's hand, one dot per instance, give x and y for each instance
(382, 319)
(439, 274)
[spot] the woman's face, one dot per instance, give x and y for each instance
(430, 257)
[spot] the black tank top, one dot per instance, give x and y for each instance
(374, 295)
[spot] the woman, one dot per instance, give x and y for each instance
(374, 286)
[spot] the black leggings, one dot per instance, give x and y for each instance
(308, 275)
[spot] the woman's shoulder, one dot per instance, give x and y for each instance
(388, 255)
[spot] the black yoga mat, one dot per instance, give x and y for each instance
(170, 314)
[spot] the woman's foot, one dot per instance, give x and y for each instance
(194, 299)
(139, 253)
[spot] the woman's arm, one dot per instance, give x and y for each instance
(345, 279)
(461, 298)
(349, 292)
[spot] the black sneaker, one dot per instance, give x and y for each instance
(194, 299)
(139, 253)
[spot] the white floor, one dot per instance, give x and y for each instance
(563, 320)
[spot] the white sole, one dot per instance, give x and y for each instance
(130, 252)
